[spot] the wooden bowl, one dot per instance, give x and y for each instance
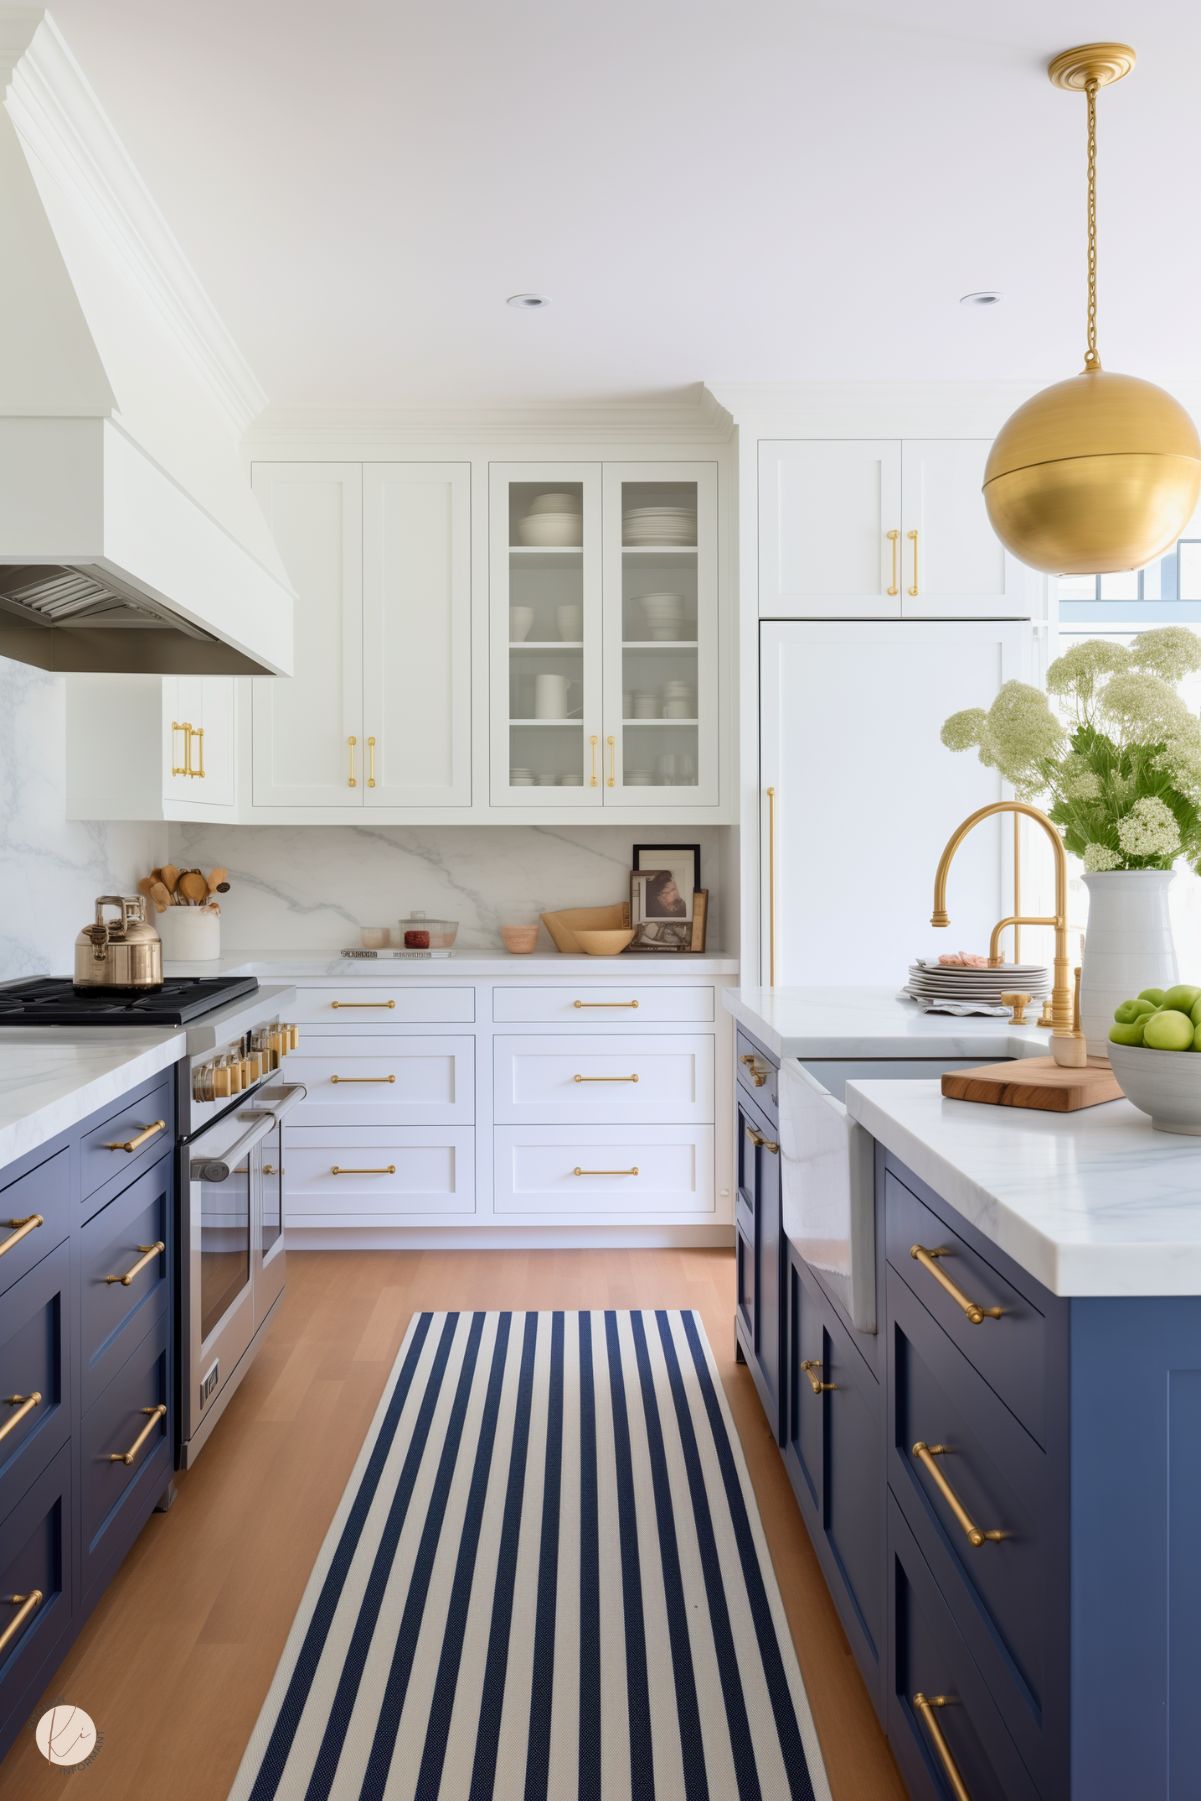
(564, 925)
(604, 944)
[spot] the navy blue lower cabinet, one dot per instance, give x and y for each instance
(36, 1372)
(758, 1319)
(37, 1591)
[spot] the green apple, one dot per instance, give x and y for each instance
(1156, 996)
(1183, 997)
(1129, 1011)
(1195, 1014)
(1197, 1038)
(1131, 1031)
(1169, 1031)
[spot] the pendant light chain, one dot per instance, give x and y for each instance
(1091, 359)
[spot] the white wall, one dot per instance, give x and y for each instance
(311, 887)
(50, 869)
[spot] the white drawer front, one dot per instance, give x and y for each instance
(380, 1005)
(543, 1081)
(668, 1170)
(368, 1080)
(588, 1005)
(385, 1176)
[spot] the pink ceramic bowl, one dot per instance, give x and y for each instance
(519, 940)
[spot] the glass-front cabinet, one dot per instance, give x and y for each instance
(604, 635)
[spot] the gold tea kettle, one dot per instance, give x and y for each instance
(125, 953)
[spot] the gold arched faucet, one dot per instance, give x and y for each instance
(1068, 1047)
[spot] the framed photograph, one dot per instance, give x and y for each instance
(677, 872)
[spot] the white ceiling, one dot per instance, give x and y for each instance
(710, 190)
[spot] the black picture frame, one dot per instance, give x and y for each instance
(666, 856)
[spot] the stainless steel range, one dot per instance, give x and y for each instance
(233, 1260)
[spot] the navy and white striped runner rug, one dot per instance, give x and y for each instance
(546, 1581)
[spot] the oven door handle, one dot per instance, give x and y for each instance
(219, 1169)
(280, 1101)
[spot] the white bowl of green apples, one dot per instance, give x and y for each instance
(1149, 1042)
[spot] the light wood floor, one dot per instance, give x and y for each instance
(175, 1662)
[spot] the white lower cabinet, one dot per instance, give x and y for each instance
(435, 1105)
(638, 1172)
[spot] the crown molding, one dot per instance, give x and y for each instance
(63, 126)
(696, 418)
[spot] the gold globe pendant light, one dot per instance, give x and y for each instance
(1100, 472)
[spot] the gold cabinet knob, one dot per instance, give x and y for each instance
(1017, 1003)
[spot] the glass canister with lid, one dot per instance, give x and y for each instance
(421, 933)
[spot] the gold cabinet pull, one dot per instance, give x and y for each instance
(351, 778)
(810, 1366)
(924, 1706)
(912, 537)
(26, 1605)
(24, 1405)
(346, 1004)
(894, 538)
(926, 1455)
(149, 1253)
(612, 743)
(577, 1171)
(140, 1138)
(269, 1169)
(604, 1078)
(975, 1313)
(765, 1144)
(371, 762)
(771, 887)
(184, 768)
(593, 741)
(23, 1228)
(198, 734)
(153, 1416)
(345, 1079)
(388, 1169)
(579, 1004)
(758, 1076)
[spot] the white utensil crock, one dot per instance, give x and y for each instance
(1128, 946)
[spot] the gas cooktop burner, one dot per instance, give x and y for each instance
(54, 1001)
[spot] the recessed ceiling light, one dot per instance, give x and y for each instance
(984, 297)
(528, 300)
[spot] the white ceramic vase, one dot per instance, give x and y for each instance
(1128, 946)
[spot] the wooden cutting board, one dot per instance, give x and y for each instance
(1036, 1082)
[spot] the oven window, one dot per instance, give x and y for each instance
(273, 1189)
(224, 1245)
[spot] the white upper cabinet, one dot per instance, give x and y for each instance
(151, 747)
(378, 710)
(305, 749)
(416, 711)
(881, 529)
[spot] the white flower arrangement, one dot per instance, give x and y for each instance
(1121, 769)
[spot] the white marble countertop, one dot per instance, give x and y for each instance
(1090, 1203)
(52, 1077)
(296, 965)
(870, 1022)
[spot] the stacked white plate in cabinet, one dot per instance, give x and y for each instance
(932, 982)
(553, 522)
(664, 615)
(672, 525)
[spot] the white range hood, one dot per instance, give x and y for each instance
(129, 536)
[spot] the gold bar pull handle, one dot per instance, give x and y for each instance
(344, 1079)
(135, 1143)
(926, 1455)
(928, 1260)
(894, 538)
(771, 887)
(184, 768)
(387, 1169)
(351, 779)
(604, 1078)
(153, 1416)
(912, 537)
(149, 1253)
(593, 741)
(27, 1605)
(758, 1076)
(612, 743)
(810, 1366)
(765, 1144)
(24, 1405)
(351, 1004)
(577, 1171)
(924, 1706)
(371, 762)
(198, 734)
(578, 1004)
(23, 1227)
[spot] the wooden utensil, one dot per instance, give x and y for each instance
(169, 877)
(216, 877)
(193, 887)
(160, 895)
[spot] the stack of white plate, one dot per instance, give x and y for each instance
(932, 982)
(553, 522)
(660, 525)
(664, 616)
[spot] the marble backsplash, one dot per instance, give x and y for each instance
(51, 869)
(311, 887)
